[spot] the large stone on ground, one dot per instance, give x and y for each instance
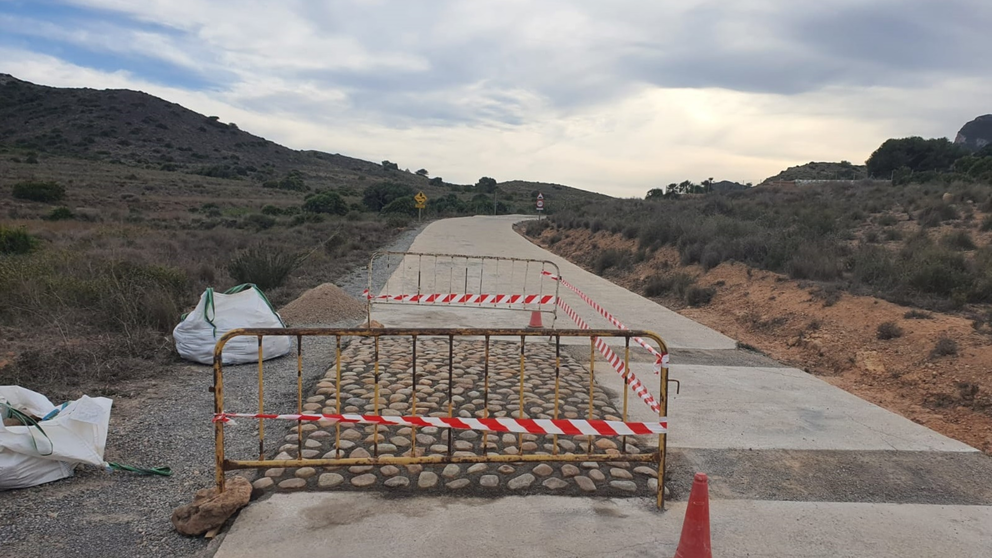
(585, 483)
(209, 509)
(523, 481)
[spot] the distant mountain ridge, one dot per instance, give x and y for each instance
(136, 129)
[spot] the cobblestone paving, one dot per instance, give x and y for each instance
(467, 399)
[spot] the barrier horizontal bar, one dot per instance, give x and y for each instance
(651, 457)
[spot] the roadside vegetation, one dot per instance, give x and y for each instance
(922, 245)
(98, 261)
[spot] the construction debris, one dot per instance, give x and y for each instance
(209, 509)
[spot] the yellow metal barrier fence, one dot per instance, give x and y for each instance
(487, 337)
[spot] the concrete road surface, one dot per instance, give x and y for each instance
(798, 467)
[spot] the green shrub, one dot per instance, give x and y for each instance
(945, 346)
(16, 241)
(936, 214)
(887, 220)
(611, 258)
(986, 223)
(534, 228)
(958, 240)
(888, 330)
(699, 296)
(271, 210)
(676, 283)
(260, 222)
(264, 266)
(813, 262)
(378, 196)
(325, 202)
(60, 213)
(293, 181)
(46, 192)
(397, 221)
(403, 206)
(917, 315)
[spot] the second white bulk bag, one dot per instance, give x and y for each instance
(244, 306)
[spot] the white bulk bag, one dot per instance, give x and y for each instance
(77, 434)
(243, 306)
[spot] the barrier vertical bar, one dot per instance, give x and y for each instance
(420, 264)
(219, 425)
(261, 402)
(592, 380)
(337, 396)
(451, 383)
(662, 438)
(554, 437)
(485, 400)
(626, 386)
(375, 403)
(413, 401)
(299, 395)
(520, 411)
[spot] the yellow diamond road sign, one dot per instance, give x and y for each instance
(420, 198)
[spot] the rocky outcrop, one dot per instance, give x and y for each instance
(976, 134)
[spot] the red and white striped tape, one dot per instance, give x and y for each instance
(662, 358)
(456, 298)
(502, 424)
(615, 361)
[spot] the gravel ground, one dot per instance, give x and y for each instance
(162, 422)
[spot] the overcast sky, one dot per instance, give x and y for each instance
(615, 96)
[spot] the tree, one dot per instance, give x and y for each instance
(656, 193)
(389, 165)
(422, 172)
(325, 202)
(915, 154)
(486, 185)
(436, 181)
(378, 196)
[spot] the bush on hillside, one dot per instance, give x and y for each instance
(60, 213)
(265, 267)
(699, 296)
(888, 330)
(16, 240)
(403, 206)
(325, 202)
(675, 283)
(378, 196)
(45, 192)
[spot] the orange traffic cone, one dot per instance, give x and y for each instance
(535, 320)
(695, 540)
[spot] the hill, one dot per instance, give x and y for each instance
(135, 130)
(821, 171)
(976, 134)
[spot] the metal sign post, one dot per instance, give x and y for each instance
(540, 205)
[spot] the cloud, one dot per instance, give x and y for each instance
(617, 97)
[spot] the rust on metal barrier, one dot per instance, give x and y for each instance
(223, 464)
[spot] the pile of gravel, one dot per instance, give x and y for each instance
(321, 305)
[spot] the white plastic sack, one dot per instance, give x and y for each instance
(77, 434)
(243, 306)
